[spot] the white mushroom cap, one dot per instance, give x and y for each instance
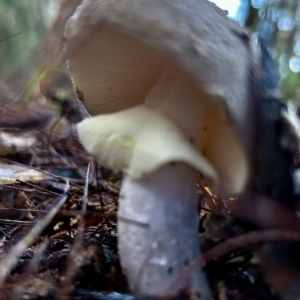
(173, 82)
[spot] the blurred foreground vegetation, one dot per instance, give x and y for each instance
(24, 24)
(23, 27)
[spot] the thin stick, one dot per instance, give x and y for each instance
(38, 187)
(2, 186)
(9, 37)
(11, 259)
(13, 209)
(15, 222)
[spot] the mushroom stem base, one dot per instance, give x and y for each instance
(157, 230)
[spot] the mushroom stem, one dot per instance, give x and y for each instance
(157, 231)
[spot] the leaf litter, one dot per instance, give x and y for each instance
(58, 229)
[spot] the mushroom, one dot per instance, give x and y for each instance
(167, 83)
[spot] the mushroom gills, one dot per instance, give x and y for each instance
(113, 70)
(116, 72)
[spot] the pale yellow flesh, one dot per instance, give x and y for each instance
(166, 123)
(222, 150)
(139, 141)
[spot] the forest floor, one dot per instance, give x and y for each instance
(58, 230)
